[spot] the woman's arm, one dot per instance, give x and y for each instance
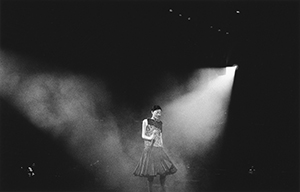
(144, 126)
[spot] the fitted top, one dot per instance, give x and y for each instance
(151, 126)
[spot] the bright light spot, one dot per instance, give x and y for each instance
(180, 15)
(227, 33)
(211, 26)
(189, 18)
(231, 70)
(237, 11)
(171, 10)
(219, 30)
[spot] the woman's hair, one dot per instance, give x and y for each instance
(155, 107)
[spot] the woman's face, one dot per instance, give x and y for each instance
(156, 114)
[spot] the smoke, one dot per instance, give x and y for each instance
(76, 109)
(10, 75)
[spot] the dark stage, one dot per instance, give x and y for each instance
(78, 77)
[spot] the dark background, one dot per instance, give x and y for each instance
(131, 45)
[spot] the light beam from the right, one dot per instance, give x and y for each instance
(195, 118)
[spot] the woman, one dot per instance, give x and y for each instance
(154, 160)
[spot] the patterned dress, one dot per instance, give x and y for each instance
(154, 160)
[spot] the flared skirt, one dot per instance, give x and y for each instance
(154, 161)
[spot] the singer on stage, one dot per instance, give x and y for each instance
(154, 160)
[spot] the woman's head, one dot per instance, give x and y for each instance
(156, 111)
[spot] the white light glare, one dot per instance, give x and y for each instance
(231, 70)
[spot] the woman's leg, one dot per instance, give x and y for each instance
(150, 183)
(162, 182)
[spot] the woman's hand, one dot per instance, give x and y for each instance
(155, 133)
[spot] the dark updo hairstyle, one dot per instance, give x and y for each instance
(155, 107)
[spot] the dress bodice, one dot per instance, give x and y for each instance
(151, 126)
